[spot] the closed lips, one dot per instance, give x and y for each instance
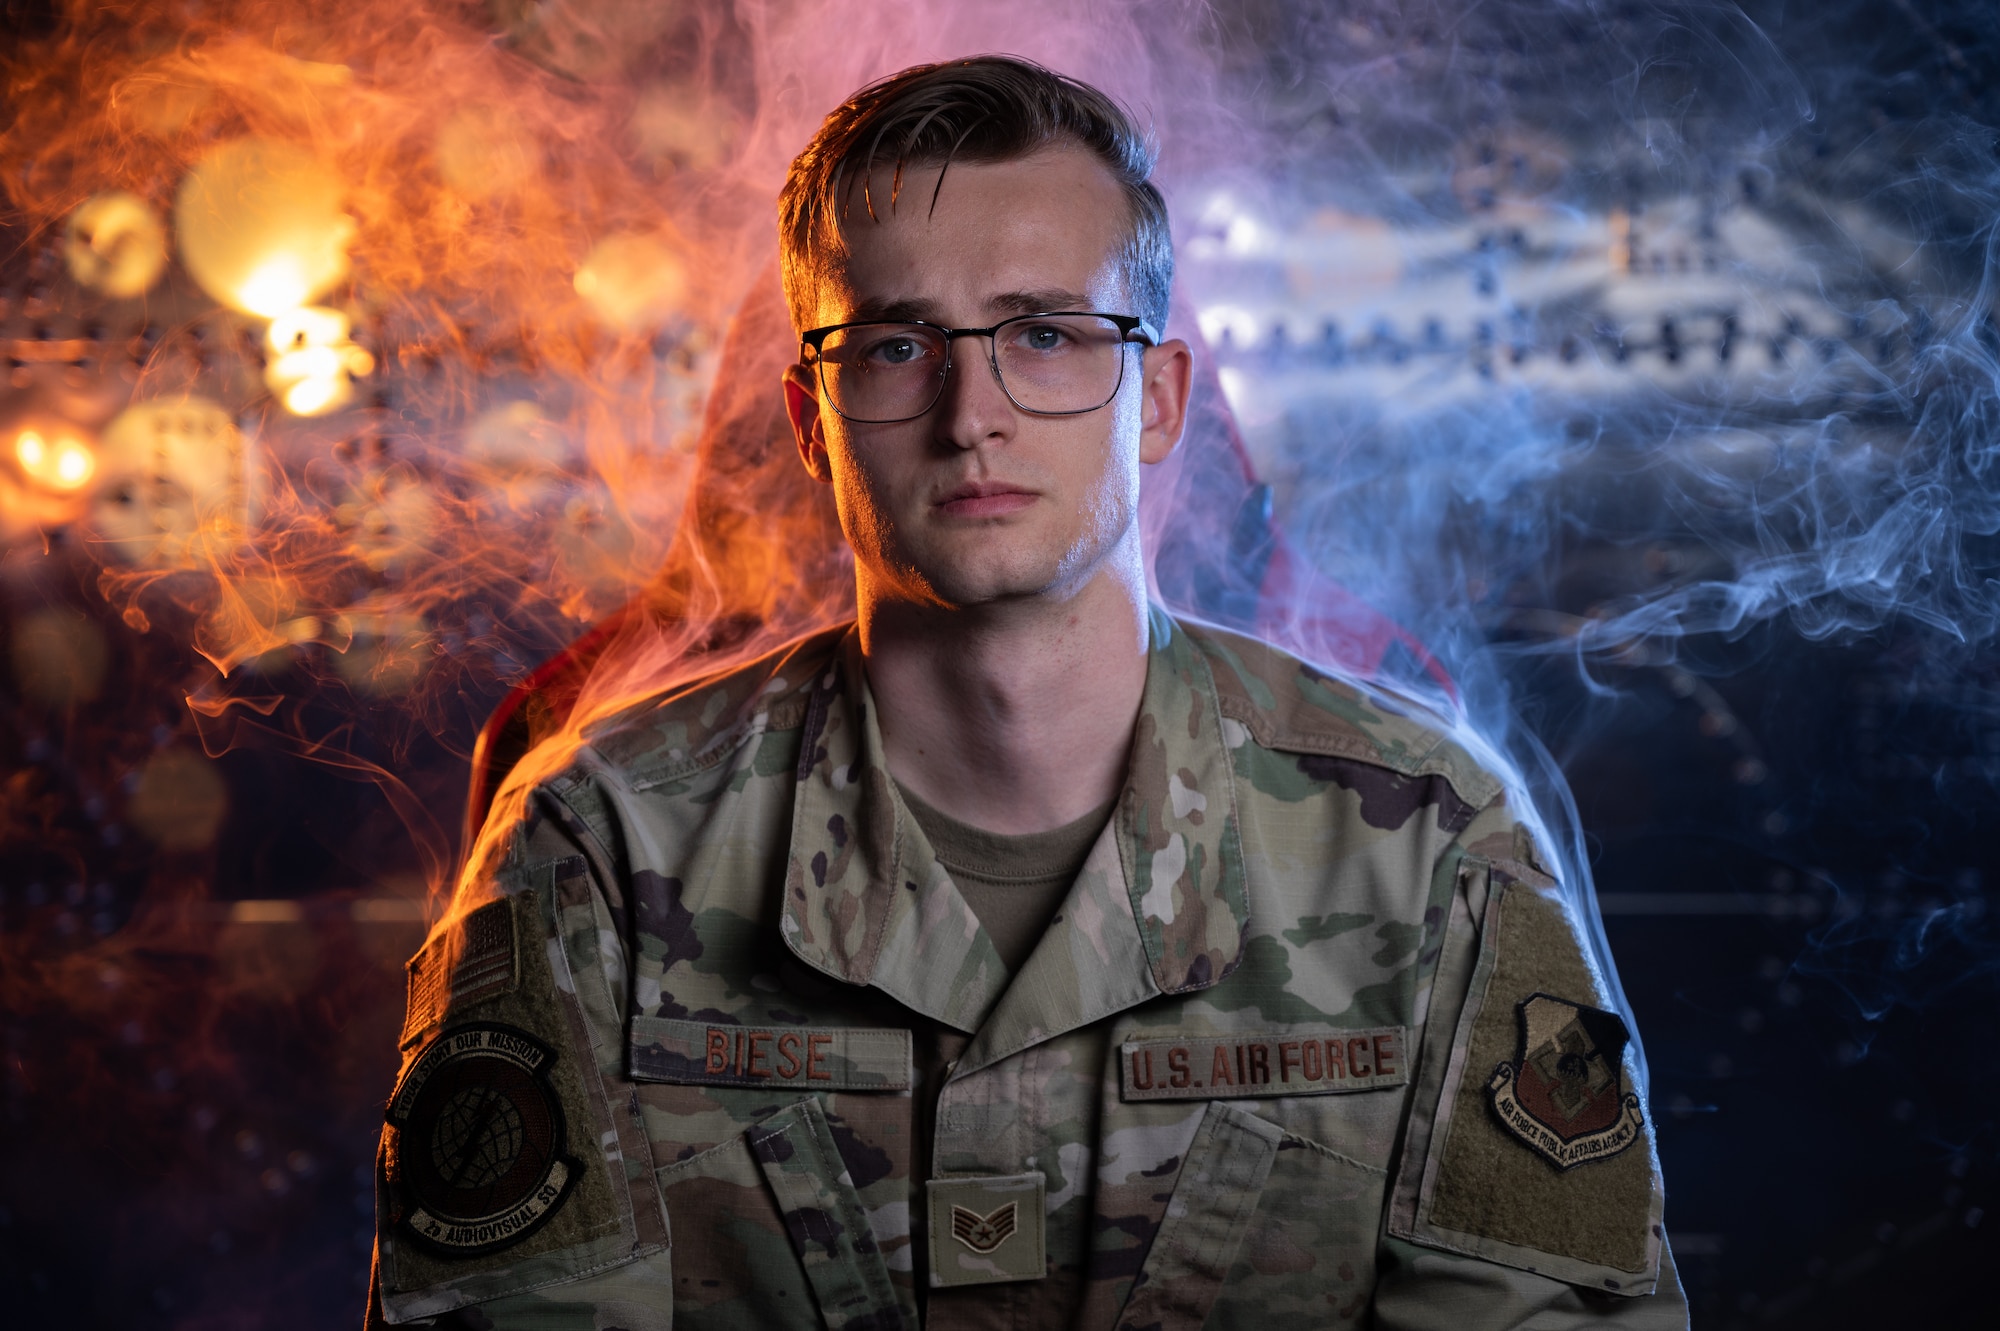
(982, 500)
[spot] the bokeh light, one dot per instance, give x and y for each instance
(313, 363)
(180, 800)
(261, 227)
(177, 484)
(633, 282)
(59, 461)
(115, 243)
(59, 658)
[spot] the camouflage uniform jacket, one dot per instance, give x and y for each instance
(1247, 1078)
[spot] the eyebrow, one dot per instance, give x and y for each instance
(893, 311)
(928, 311)
(1038, 302)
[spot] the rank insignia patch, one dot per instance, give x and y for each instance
(988, 1229)
(477, 1151)
(983, 1233)
(1564, 1096)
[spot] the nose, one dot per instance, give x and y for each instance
(974, 408)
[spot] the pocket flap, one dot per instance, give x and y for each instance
(824, 1219)
(1213, 1201)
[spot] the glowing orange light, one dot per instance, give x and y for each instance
(178, 484)
(116, 244)
(633, 282)
(277, 285)
(64, 464)
(313, 368)
(261, 228)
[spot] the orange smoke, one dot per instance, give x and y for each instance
(359, 357)
(376, 358)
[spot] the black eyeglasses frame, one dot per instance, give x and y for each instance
(1132, 329)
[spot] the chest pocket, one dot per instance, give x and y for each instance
(771, 1227)
(1264, 1227)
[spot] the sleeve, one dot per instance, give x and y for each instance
(1426, 1288)
(1527, 1193)
(513, 1172)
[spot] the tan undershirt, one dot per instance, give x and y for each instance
(1012, 883)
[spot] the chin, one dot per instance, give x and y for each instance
(990, 564)
(987, 576)
(967, 588)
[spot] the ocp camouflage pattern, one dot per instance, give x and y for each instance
(722, 872)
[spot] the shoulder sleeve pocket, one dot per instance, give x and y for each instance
(503, 1162)
(1535, 1152)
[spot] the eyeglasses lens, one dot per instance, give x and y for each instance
(1049, 364)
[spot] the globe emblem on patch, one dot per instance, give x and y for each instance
(476, 1144)
(478, 1137)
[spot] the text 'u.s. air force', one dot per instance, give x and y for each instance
(1231, 1066)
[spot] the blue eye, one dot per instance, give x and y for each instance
(1042, 337)
(896, 351)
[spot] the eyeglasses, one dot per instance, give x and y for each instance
(1059, 364)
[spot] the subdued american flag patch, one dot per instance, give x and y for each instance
(480, 956)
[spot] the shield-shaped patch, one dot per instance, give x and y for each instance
(1564, 1096)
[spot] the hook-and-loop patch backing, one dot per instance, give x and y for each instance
(502, 1167)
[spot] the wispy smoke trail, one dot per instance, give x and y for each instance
(1598, 331)
(1538, 336)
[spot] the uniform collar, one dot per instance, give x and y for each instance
(1160, 906)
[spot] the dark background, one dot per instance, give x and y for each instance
(1793, 838)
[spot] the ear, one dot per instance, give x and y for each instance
(802, 407)
(1169, 378)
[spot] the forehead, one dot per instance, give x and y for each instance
(970, 246)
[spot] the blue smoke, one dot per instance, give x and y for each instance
(1600, 333)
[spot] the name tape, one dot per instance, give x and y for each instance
(1238, 1066)
(822, 1058)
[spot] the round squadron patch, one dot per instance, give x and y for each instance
(477, 1153)
(1564, 1095)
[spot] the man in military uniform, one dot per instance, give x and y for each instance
(1015, 956)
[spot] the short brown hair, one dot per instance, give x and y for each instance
(989, 108)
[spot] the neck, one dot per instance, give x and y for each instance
(1014, 716)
